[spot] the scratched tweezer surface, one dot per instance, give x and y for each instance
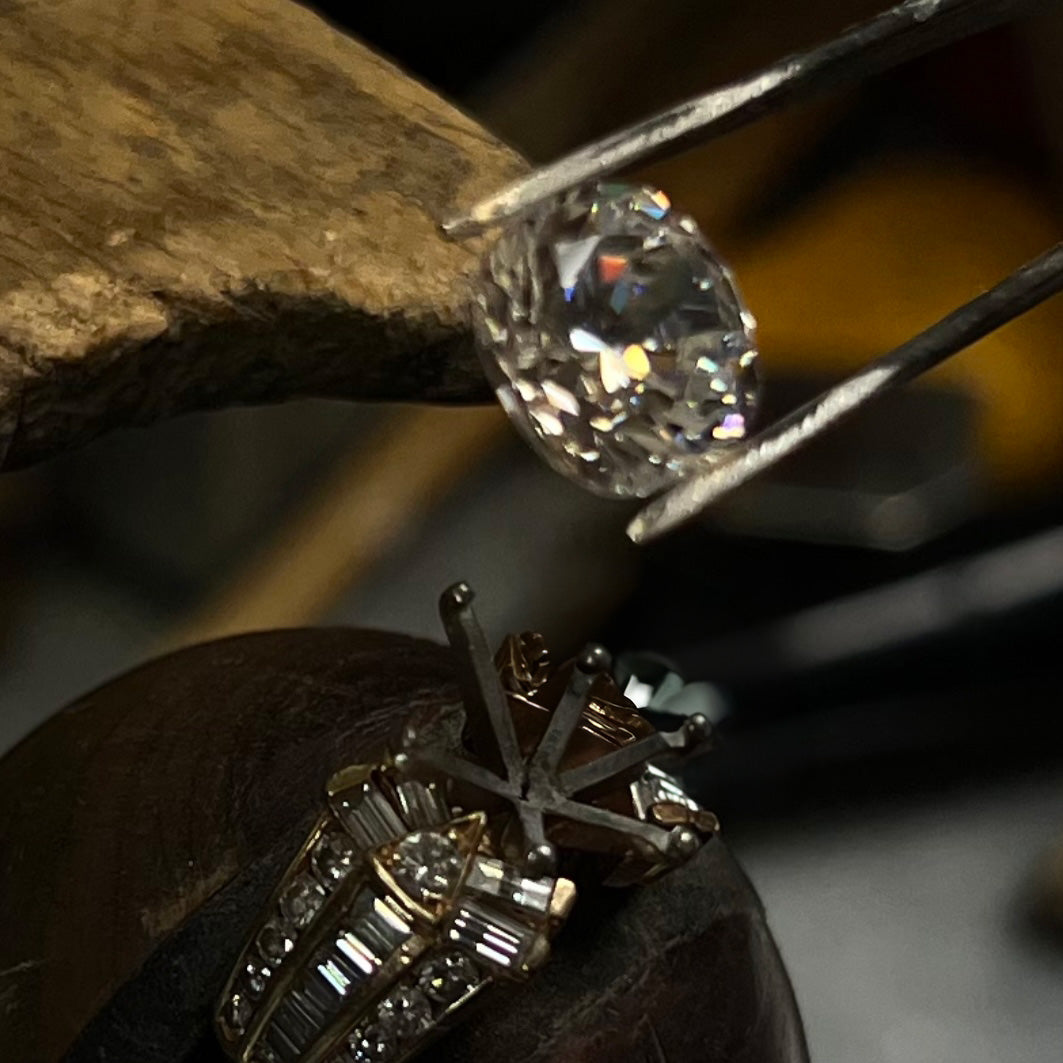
(1020, 291)
(901, 33)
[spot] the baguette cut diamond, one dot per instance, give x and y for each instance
(616, 338)
(497, 879)
(490, 935)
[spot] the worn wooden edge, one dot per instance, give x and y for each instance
(213, 204)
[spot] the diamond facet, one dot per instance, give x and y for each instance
(426, 864)
(374, 1044)
(332, 858)
(406, 1012)
(447, 978)
(274, 943)
(496, 879)
(616, 339)
(494, 937)
(256, 978)
(368, 815)
(302, 901)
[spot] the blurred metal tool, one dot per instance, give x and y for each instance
(866, 483)
(1023, 290)
(988, 591)
(903, 32)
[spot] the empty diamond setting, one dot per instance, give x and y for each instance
(616, 338)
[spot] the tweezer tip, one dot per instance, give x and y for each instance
(458, 226)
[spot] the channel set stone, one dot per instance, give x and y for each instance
(446, 979)
(616, 339)
(274, 942)
(332, 858)
(301, 901)
(375, 1044)
(406, 1012)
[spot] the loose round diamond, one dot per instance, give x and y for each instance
(374, 1044)
(616, 339)
(446, 979)
(332, 857)
(301, 901)
(274, 943)
(406, 1012)
(426, 864)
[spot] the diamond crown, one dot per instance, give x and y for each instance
(616, 338)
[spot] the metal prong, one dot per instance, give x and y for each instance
(683, 843)
(594, 659)
(540, 861)
(565, 718)
(486, 709)
(908, 30)
(693, 734)
(655, 840)
(1023, 290)
(436, 763)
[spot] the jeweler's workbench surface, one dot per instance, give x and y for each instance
(207, 204)
(185, 787)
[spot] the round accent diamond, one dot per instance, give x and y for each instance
(406, 1012)
(332, 857)
(274, 943)
(374, 1044)
(426, 864)
(301, 901)
(616, 339)
(446, 979)
(238, 1013)
(256, 978)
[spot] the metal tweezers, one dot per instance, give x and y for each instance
(903, 32)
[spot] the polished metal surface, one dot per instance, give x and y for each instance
(1021, 291)
(903, 32)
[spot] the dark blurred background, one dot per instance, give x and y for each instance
(882, 616)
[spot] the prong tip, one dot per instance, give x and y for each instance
(541, 860)
(683, 843)
(457, 596)
(696, 729)
(594, 659)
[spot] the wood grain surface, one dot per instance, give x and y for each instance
(203, 204)
(145, 825)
